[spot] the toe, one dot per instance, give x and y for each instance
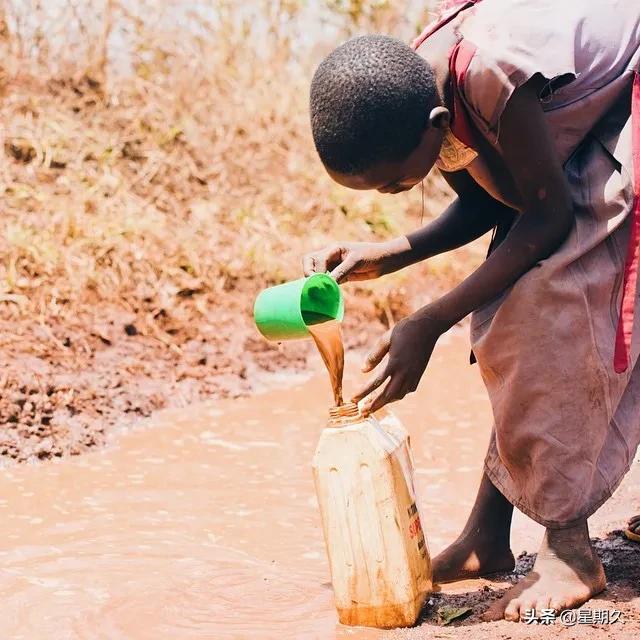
(542, 604)
(512, 610)
(557, 604)
(495, 611)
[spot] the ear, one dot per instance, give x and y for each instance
(440, 118)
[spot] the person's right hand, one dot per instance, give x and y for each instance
(349, 261)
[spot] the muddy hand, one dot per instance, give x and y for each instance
(409, 346)
(350, 261)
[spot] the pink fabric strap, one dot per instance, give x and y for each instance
(459, 59)
(628, 303)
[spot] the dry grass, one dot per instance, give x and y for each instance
(158, 172)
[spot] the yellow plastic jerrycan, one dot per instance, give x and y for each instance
(378, 555)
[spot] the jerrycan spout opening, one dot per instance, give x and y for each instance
(344, 414)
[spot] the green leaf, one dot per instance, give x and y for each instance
(446, 615)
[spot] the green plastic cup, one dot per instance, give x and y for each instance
(285, 312)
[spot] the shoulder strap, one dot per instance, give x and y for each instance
(445, 19)
(460, 57)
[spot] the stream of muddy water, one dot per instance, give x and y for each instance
(328, 339)
(205, 524)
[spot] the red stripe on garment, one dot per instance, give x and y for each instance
(459, 59)
(628, 303)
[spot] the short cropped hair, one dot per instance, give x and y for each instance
(370, 102)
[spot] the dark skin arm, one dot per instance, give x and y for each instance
(469, 216)
(546, 218)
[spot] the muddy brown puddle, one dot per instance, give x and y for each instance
(205, 525)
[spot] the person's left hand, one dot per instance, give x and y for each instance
(409, 345)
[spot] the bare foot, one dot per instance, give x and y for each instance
(566, 574)
(634, 525)
(483, 546)
(471, 557)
